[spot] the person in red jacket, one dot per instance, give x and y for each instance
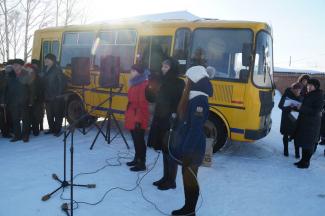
(137, 115)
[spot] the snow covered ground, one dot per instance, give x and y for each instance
(246, 179)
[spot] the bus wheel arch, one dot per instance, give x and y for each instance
(216, 127)
(76, 109)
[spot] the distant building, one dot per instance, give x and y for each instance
(284, 77)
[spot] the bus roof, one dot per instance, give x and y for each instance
(208, 23)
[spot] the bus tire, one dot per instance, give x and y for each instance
(216, 129)
(75, 110)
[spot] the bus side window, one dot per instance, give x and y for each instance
(117, 43)
(55, 48)
(76, 44)
(153, 50)
(181, 47)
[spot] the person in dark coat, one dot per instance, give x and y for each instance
(3, 112)
(309, 122)
(303, 79)
(54, 83)
(5, 115)
(37, 66)
(35, 99)
(167, 100)
(189, 148)
(137, 115)
(17, 97)
(288, 122)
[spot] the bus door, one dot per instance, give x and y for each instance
(152, 51)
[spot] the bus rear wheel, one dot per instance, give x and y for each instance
(216, 129)
(75, 111)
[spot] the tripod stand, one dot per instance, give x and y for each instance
(109, 116)
(64, 183)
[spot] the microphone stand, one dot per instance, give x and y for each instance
(64, 183)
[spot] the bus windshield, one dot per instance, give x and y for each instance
(221, 50)
(263, 68)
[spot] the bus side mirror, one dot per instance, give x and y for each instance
(243, 75)
(247, 53)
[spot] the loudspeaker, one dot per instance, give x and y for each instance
(80, 71)
(109, 71)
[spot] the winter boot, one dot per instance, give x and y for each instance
(132, 163)
(139, 166)
(165, 177)
(183, 211)
(166, 185)
(15, 139)
(285, 150)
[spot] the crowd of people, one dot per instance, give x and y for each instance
(181, 105)
(307, 129)
(26, 92)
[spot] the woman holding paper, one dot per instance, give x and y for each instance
(290, 97)
(309, 122)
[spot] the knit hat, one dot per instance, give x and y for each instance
(196, 73)
(51, 56)
(314, 82)
(139, 68)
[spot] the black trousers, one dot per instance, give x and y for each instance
(20, 113)
(191, 187)
(170, 168)
(36, 117)
(5, 121)
(285, 140)
(139, 144)
(306, 156)
(54, 113)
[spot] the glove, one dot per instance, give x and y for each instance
(137, 125)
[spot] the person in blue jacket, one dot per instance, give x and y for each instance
(188, 148)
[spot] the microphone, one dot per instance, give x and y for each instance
(65, 208)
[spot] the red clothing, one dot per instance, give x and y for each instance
(138, 108)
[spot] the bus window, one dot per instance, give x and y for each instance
(263, 68)
(46, 48)
(76, 44)
(117, 43)
(221, 50)
(181, 47)
(55, 48)
(153, 50)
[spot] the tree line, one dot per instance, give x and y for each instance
(20, 18)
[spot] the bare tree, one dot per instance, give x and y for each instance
(6, 8)
(37, 15)
(15, 27)
(58, 6)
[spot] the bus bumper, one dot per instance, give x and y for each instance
(258, 134)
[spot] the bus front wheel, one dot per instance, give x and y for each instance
(76, 111)
(216, 129)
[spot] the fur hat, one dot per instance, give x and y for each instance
(18, 61)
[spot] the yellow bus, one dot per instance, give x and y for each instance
(238, 55)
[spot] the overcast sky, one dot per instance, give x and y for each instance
(298, 25)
